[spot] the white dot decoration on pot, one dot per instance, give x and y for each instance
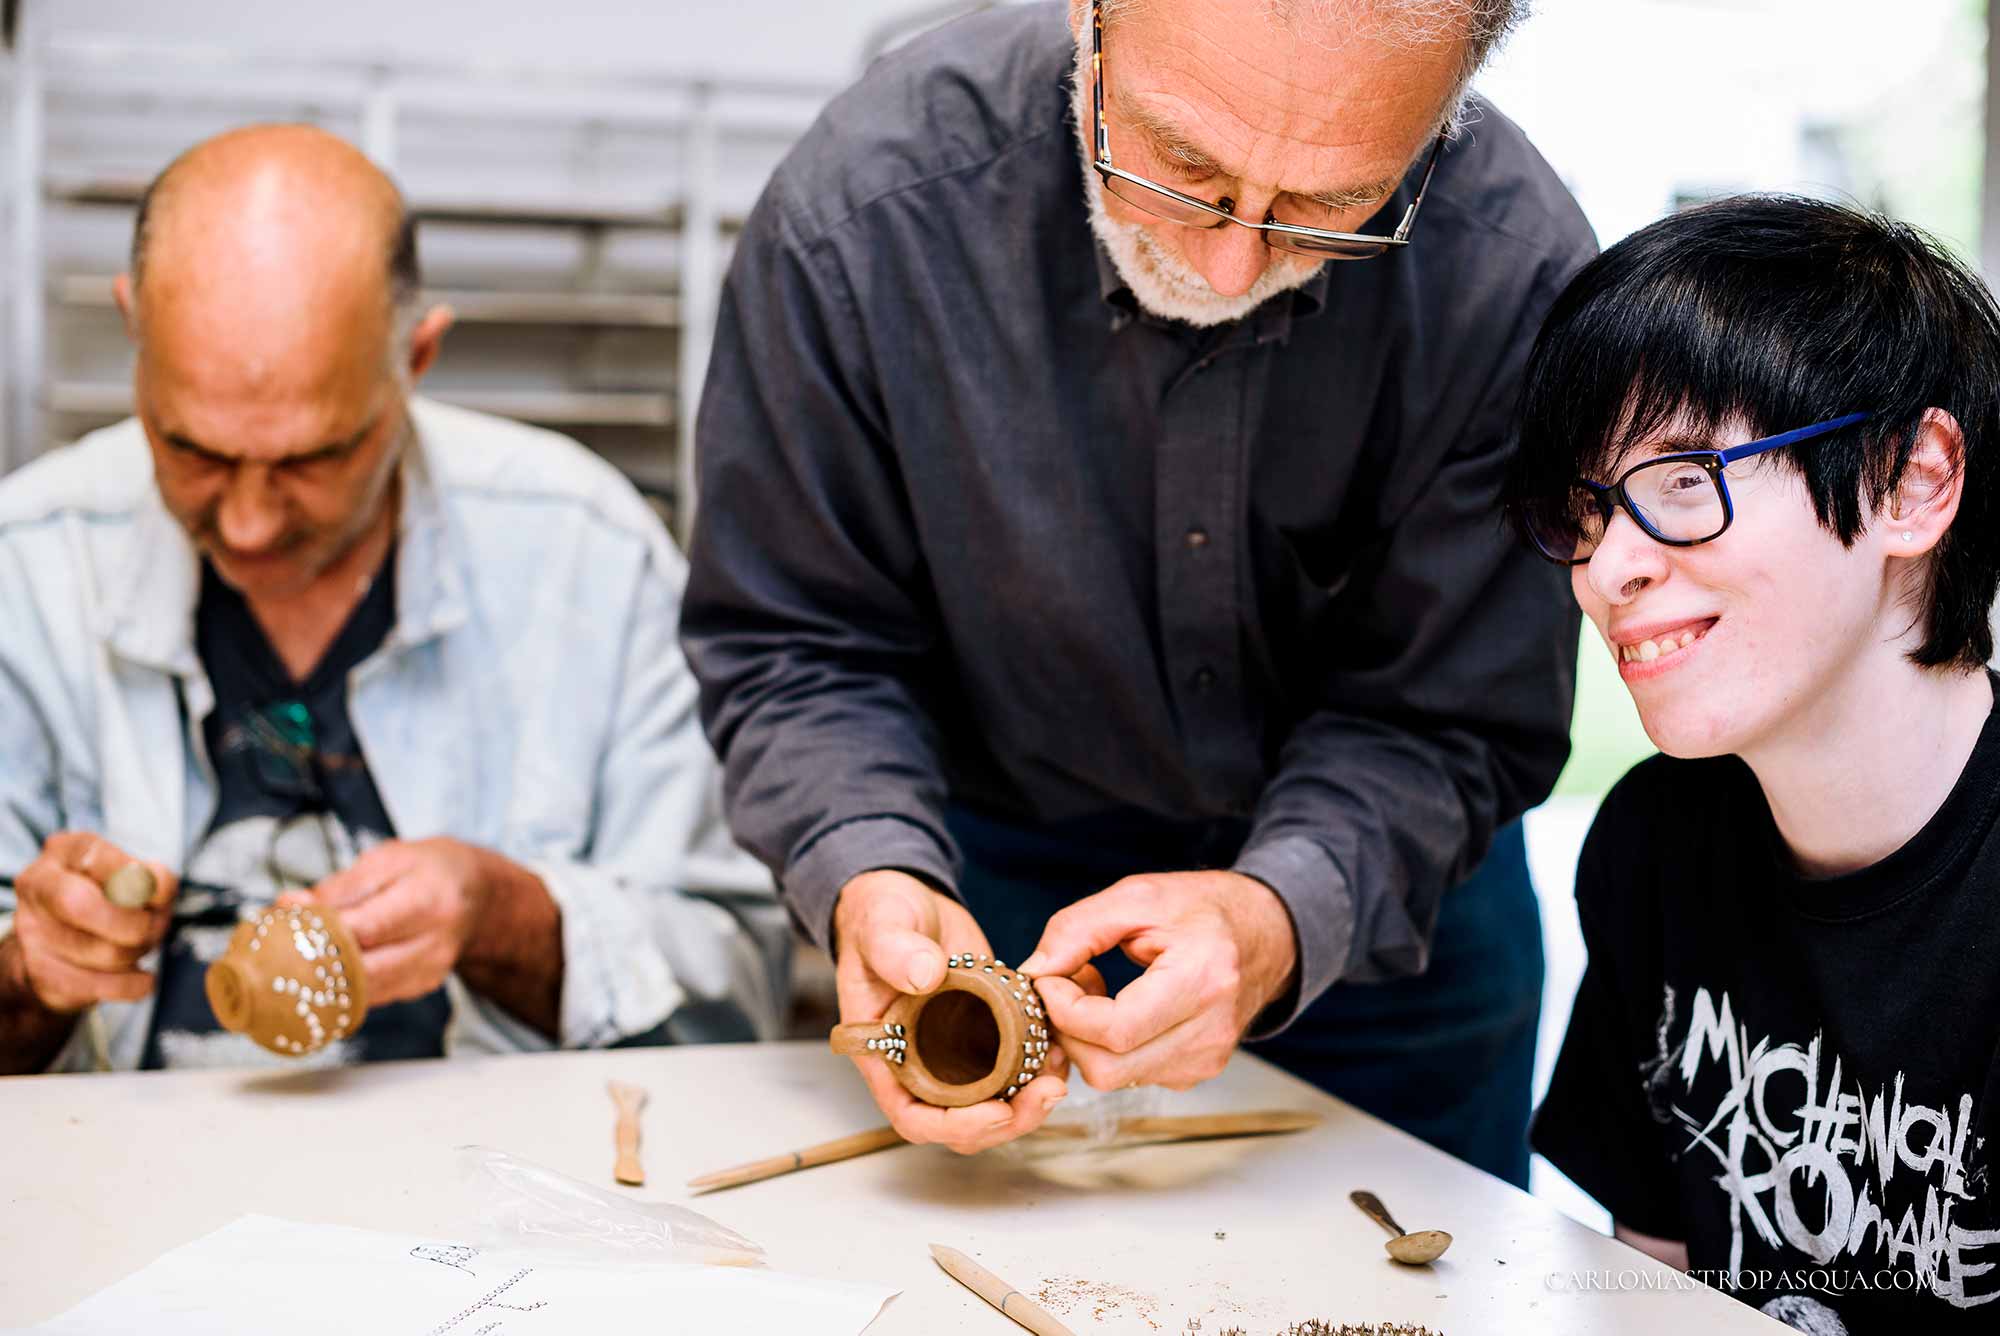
(291, 980)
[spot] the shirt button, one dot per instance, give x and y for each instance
(1197, 539)
(1204, 679)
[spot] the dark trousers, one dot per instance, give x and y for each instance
(1447, 1056)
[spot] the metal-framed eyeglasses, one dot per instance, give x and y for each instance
(1178, 207)
(1681, 499)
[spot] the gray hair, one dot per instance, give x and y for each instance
(1481, 25)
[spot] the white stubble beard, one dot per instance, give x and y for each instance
(1161, 280)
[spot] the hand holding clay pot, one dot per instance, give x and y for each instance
(980, 1034)
(291, 980)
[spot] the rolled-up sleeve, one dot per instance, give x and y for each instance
(802, 619)
(1444, 713)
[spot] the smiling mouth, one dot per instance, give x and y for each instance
(1645, 651)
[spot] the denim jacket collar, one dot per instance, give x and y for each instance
(150, 620)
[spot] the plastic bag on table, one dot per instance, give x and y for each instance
(525, 1207)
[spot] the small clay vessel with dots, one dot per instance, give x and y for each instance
(291, 980)
(980, 1034)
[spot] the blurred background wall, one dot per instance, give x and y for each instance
(581, 169)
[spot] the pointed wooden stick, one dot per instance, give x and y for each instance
(827, 1152)
(997, 1292)
(1190, 1127)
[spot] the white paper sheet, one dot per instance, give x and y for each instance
(262, 1275)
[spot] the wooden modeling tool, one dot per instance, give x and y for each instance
(827, 1152)
(1193, 1127)
(997, 1292)
(1190, 1127)
(130, 887)
(1418, 1249)
(631, 1101)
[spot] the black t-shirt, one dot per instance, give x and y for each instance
(296, 803)
(1798, 1078)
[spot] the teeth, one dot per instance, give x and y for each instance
(1648, 650)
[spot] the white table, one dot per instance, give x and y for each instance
(101, 1174)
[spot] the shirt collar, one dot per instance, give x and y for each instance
(430, 573)
(151, 621)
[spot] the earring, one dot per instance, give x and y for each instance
(1909, 537)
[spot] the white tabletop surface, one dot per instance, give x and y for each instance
(101, 1174)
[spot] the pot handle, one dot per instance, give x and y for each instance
(859, 1038)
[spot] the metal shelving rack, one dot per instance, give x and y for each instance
(718, 140)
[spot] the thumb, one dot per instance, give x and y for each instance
(900, 956)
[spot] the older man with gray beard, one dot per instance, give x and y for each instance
(1104, 553)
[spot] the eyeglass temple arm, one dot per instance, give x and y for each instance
(1101, 134)
(1783, 439)
(1410, 214)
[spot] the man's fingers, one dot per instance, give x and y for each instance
(1185, 1056)
(403, 970)
(1149, 1006)
(73, 898)
(1091, 980)
(96, 858)
(1028, 1110)
(364, 877)
(81, 851)
(971, 1129)
(394, 913)
(1034, 1102)
(52, 939)
(1092, 926)
(64, 987)
(982, 1126)
(896, 1103)
(1055, 1063)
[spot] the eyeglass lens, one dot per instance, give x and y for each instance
(1162, 205)
(1675, 500)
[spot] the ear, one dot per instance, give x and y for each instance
(427, 340)
(1924, 502)
(128, 304)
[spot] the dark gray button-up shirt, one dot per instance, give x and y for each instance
(973, 527)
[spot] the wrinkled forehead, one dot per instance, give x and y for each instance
(1307, 105)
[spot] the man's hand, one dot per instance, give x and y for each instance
(1217, 947)
(892, 934)
(73, 947)
(420, 909)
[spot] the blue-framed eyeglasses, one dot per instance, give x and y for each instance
(1680, 499)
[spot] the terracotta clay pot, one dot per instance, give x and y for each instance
(291, 980)
(980, 1034)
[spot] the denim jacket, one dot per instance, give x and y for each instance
(531, 698)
